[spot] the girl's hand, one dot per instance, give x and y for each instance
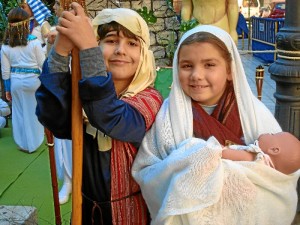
(8, 96)
(76, 26)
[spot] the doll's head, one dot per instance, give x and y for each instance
(284, 150)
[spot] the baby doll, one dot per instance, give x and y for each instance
(280, 151)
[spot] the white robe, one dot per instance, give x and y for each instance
(63, 157)
(4, 111)
(28, 133)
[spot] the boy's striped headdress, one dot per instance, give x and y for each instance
(40, 11)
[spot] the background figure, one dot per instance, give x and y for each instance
(63, 160)
(22, 58)
(178, 165)
(62, 147)
(119, 102)
(38, 25)
(4, 111)
(242, 28)
(220, 13)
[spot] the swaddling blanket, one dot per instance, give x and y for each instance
(191, 184)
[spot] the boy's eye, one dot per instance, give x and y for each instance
(110, 40)
(133, 43)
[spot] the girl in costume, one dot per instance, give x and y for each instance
(179, 166)
(22, 58)
(118, 100)
(38, 24)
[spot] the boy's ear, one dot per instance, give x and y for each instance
(273, 151)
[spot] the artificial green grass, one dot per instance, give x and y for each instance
(163, 81)
(25, 180)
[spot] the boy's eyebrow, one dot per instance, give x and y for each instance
(111, 33)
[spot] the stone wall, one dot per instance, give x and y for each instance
(162, 32)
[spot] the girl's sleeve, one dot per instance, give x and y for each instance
(5, 65)
(39, 53)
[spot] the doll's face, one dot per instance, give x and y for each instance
(203, 72)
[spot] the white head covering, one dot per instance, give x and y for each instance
(255, 117)
(146, 73)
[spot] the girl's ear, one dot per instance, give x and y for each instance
(273, 151)
(229, 76)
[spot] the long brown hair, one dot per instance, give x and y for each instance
(16, 33)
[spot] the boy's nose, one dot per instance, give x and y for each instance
(120, 49)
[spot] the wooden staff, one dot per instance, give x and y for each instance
(77, 142)
(50, 145)
(77, 131)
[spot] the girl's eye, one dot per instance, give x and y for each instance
(210, 65)
(186, 66)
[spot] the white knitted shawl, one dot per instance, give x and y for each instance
(193, 185)
(169, 168)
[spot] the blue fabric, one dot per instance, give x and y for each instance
(31, 25)
(266, 57)
(99, 98)
(54, 102)
(31, 37)
(242, 26)
(40, 11)
(7, 85)
(24, 70)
